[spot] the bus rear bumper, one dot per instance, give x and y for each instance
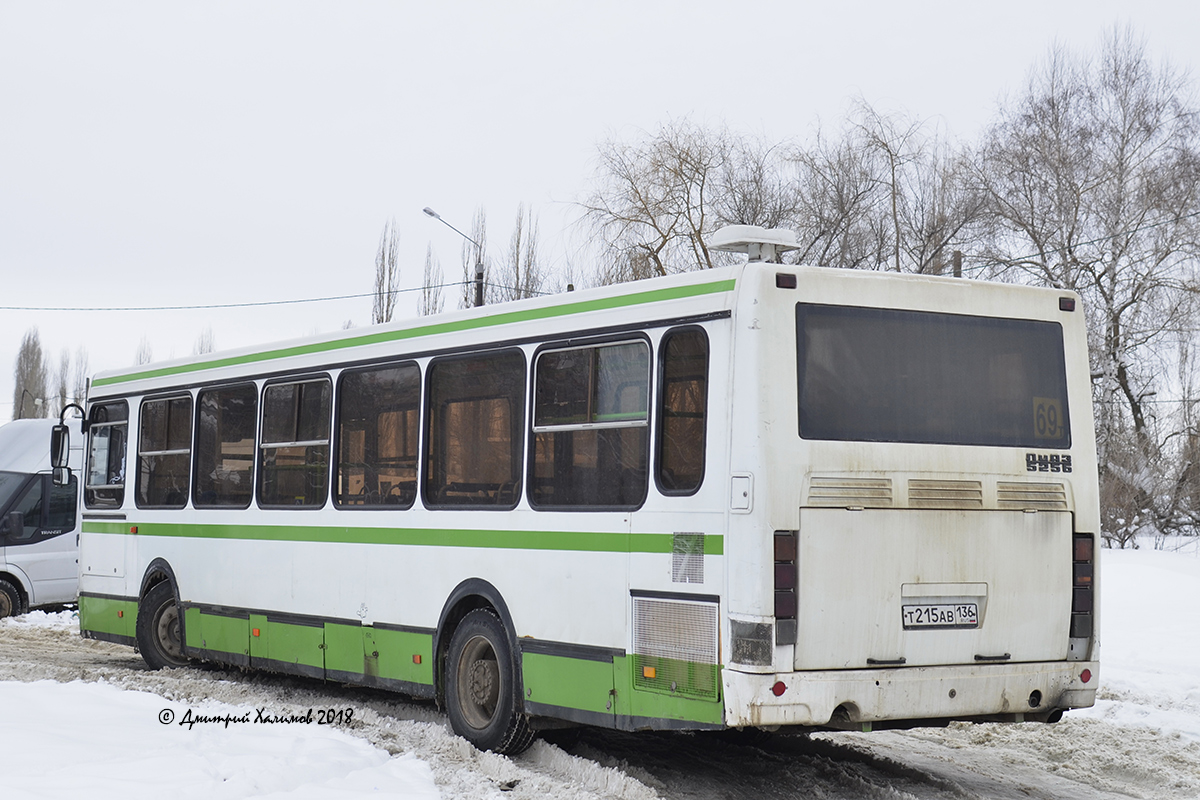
(854, 698)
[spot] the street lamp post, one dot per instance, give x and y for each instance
(37, 401)
(478, 254)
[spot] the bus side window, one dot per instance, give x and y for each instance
(474, 424)
(378, 422)
(164, 453)
(591, 424)
(294, 456)
(683, 411)
(224, 452)
(107, 434)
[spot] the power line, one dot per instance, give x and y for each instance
(261, 303)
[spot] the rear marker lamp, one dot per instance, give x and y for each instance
(785, 586)
(1082, 592)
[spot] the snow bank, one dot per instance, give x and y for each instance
(1150, 640)
(97, 741)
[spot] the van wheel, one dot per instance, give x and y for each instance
(481, 687)
(10, 600)
(159, 631)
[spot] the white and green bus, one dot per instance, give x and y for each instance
(749, 497)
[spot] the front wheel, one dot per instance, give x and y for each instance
(10, 600)
(481, 686)
(159, 630)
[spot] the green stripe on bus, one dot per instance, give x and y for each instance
(492, 320)
(714, 544)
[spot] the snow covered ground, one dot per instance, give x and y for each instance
(99, 735)
(1150, 640)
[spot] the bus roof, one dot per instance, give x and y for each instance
(665, 298)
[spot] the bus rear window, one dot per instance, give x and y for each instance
(881, 375)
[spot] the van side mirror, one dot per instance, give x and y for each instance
(60, 447)
(61, 476)
(12, 524)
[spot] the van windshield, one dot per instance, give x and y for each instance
(10, 484)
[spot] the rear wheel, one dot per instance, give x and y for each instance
(10, 600)
(159, 631)
(481, 686)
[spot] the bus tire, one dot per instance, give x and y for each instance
(159, 632)
(481, 686)
(10, 599)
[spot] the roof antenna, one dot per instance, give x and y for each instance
(759, 244)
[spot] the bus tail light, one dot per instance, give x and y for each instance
(1082, 590)
(786, 543)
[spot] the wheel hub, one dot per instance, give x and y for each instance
(483, 682)
(168, 632)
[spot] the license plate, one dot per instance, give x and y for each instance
(951, 615)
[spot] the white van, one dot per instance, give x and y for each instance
(39, 522)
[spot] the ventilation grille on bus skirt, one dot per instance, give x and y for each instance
(1042, 496)
(850, 492)
(945, 494)
(675, 646)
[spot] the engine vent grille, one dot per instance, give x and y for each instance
(675, 646)
(1042, 496)
(850, 492)
(945, 494)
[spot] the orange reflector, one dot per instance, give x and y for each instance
(416, 658)
(649, 672)
(120, 614)
(133, 528)
(254, 632)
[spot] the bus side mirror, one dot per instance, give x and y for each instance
(61, 476)
(60, 447)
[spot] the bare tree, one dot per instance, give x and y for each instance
(145, 353)
(755, 185)
(1093, 177)
(897, 140)
(29, 378)
(520, 275)
(431, 287)
(79, 380)
(62, 377)
(652, 205)
(205, 342)
(387, 259)
(888, 188)
(839, 223)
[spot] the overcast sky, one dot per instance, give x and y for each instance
(161, 154)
